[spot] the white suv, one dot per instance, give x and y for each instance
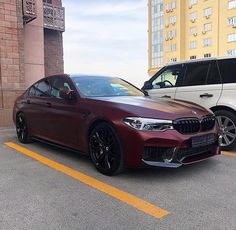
(209, 82)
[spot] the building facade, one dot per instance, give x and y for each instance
(190, 29)
(31, 47)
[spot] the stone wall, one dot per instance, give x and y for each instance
(12, 81)
(53, 52)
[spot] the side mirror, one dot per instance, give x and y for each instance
(147, 85)
(67, 94)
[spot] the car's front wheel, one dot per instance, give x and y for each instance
(22, 129)
(105, 149)
(227, 124)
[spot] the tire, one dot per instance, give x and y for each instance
(22, 129)
(105, 149)
(227, 123)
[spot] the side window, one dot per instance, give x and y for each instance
(168, 78)
(32, 90)
(213, 75)
(196, 74)
(228, 70)
(59, 83)
(42, 89)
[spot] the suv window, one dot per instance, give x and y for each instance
(228, 70)
(196, 74)
(168, 78)
(42, 88)
(213, 75)
(58, 83)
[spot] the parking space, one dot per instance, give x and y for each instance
(43, 187)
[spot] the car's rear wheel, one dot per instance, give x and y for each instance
(22, 129)
(227, 123)
(105, 149)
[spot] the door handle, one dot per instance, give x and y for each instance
(48, 104)
(166, 96)
(206, 95)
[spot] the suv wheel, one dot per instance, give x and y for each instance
(227, 123)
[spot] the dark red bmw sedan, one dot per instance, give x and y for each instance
(115, 123)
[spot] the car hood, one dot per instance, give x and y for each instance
(160, 108)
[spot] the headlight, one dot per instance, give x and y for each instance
(148, 124)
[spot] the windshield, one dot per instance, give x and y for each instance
(105, 87)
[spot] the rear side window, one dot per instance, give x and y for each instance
(42, 89)
(213, 75)
(196, 74)
(228, 70)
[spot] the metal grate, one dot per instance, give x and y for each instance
(29, 10)
(54, 17)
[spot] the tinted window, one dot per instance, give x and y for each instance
(105, 87)
(213, 75)
(168, 78)
(58, 83)
(32, 91)
(196, 74)
(42, 89)
(228, 70)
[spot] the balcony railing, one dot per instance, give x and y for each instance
(29, 10)
(54, 17)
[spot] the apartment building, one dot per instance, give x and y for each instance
(190, 29)
(31, 47)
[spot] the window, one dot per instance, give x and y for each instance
(47, 1)
(208, 12)
(193, 30)
(207, 55)
(207, 27)
(193, 57)
(196, 74)
(231, 52)
(228, 70)
(172, 34)
(231, 4)
(232, 21)
(231, 37)
(213, 74)
(192, 2)
(173, 20)
(168, 78)
(207, 42)
(42, 89)
(193, 16)
(58, 83)
(173, 47)
(193, 45)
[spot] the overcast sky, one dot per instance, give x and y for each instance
(107, 37)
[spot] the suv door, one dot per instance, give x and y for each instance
(163, 83)
(202, 84)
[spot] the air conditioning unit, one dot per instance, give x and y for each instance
(171, 10)
(167, 10)
(203, 32)
(167, 39)
(193, 20)
(172, 23)
(207, 16)
(171, 37)
(167, 25)
(195, 34)
(234, 25)
(190, 6)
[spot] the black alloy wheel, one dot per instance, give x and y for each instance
(22, 129)
(227, 124)
(105, 149)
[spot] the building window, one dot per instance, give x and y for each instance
(207, 55)
(193, 57)
(231, 4)
(232, 21)
(171, 6)
(47, 1)
(208, 12)
(231, 52)
(231, 37)
(193, 45)
(207, 42)
(193, 30)
(193, 16)
(173, 20)
(172, 34)
(192, 2)
(207, 27)
(173, 47)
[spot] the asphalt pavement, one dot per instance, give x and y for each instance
(60, 190)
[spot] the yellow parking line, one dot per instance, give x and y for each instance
(229, 154)
(125, 197)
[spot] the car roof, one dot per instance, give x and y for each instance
(198, 60)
